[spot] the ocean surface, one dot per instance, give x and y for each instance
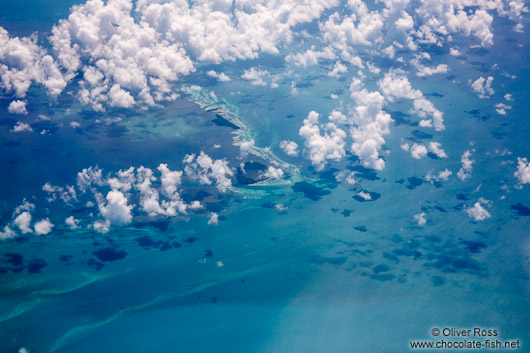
(305, 265)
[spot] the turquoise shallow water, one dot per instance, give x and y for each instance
(332, 273)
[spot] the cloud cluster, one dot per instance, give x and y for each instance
(523, 171)
(329, 146)
(478, 212)
(417, 151)
(467, 166)
(22, 127)
(72, 222)
(273, 173)
(170, 182)
(365, 195)
(440, 18)
(7, 233)
(395, 85)
(214, 219)
(436, 149)
(360, 27)
(423, 70)
(66, 193)
(246, 146)
(21, 219)
(43, 226)
(420, 218)
(116, 210)
(482, 87)
(206, 170)
(310, 57)
(125, 53)
(217, 31)
(289, 147)
(160, 199)
(338, 68)
(501, 108)
(23, 222)
(257, 77)
(369, 124)
(23, 62)
(443, 175)
(89, 177)
(17, 107)
(122, 195)
(149, 196)
(132, 55)
(121, 60)
(220, 76)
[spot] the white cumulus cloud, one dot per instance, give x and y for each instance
(467, 166)
(214, 219)
(370, 125)
(289, 147)
(7, 233)
(206, 170)
(221, 76)
(256, 76)
(420, 218)
(443, 175)
(23, 62)
(43, 227)
(418, 151)
(17, 107)
(324, 147)
(482, 87)
(23, 221)
(116, 210)
(22, 127)
(72, 222)
(274, 173)
(477, 212)
(395, 85)
(523, 171)
(436, 148)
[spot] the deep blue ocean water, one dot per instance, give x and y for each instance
(334, 273)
